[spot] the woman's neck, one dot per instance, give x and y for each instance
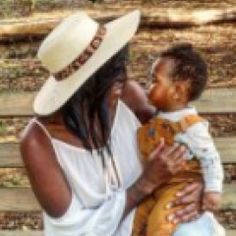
(56, 124)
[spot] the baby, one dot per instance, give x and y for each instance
(178, 76)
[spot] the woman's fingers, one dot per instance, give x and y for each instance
(169, 150)
(177, 166)
(191, 193)
(158, 150)
(187, 199)
(186, 214)
(192, 187)
(178, 153)
(174, 158)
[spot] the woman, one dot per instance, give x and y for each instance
(80, 150)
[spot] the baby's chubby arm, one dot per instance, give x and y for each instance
(201, 145)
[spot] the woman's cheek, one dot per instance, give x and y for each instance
(154, 95)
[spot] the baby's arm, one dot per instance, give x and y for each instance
(201, 144)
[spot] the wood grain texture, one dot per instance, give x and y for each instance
(218, 100)
(20, 233)
(10, 155)
(23, 199)
(16, 104)
(18, 199)
(222, 100)
(166, 18)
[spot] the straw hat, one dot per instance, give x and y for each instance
(76, 49)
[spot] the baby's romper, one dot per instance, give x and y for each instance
(151, 215)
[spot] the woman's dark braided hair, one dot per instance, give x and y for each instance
(90, 103)
(188, 65)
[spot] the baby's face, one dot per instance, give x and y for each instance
(161, 88)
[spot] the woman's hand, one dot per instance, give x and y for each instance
(191, 197)
(164, 162)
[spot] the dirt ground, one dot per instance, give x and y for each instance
(21, 71)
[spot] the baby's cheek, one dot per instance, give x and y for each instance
(154, 95)
(159, 100)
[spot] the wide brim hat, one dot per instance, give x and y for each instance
(74, 51)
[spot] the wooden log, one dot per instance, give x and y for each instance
(219, 100)
(18, 199)
(213, 101)
(10, 154)
(20, 30)
(20, 233)
(165, 18)
(16, 104)
(174, 18)
(230, 232)
(23, 199)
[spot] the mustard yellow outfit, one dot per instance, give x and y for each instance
(151, 215)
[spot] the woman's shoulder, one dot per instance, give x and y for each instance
(33, 140)
(30, 134)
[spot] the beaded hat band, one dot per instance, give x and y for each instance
(83, 57)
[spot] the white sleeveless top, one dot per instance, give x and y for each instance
(98, 194)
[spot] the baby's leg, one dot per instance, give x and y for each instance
(158, 225)
(206, 225)
(141, 216)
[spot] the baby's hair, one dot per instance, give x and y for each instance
(188, 65)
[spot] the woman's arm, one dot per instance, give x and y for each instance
(45, 175)
(54, 194)
(166, 161)
(135, 97)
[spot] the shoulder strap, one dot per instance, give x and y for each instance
(188, 121)
(42, 127)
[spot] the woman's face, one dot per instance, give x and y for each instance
(116, 91)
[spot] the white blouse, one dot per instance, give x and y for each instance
(98, 194)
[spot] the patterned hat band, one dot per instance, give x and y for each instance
(83, 57)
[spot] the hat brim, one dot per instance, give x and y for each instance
(54, 94)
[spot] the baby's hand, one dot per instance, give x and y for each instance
(211, 201)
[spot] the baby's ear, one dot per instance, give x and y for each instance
(181, 92)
